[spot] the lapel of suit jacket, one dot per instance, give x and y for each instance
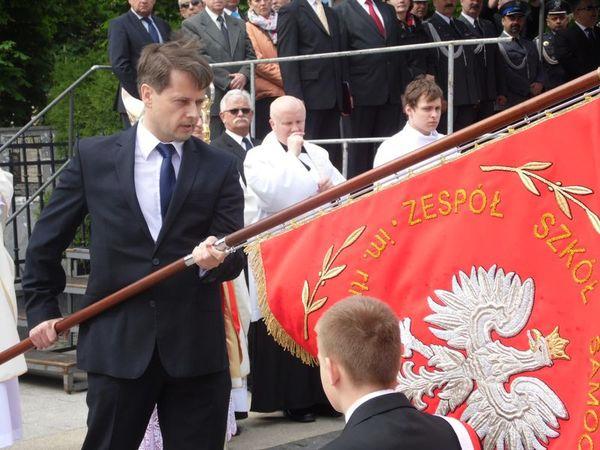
(234, 146)
(310, 12)
(365, 17)
(212, 30)
(138, 25)
(376, 406)
(124, 166)
(190, 163)
(233, 30)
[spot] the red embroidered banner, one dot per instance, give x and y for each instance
(492, 264)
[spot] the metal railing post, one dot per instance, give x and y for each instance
(253, 98)
(71, 122)
(450, 110)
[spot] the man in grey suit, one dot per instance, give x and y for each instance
(223, 39)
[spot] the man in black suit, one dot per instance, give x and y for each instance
(359, 359)
(488, 64)
(578, 47)
(306, 27)
(152, 193)
(236, 114)
(223, 39)
(127, 36)
(376, 81)
(441, 26)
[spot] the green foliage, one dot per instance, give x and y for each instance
(93, 99)
(46, 48)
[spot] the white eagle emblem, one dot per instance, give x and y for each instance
(522, 415)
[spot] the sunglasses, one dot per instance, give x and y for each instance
(236, 111)
(186, 5)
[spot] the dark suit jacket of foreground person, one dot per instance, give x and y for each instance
(390, 422)
(181, 316)
(127, 36)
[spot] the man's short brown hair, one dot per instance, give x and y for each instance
(421, 86)
(158, 60)
(362, 335)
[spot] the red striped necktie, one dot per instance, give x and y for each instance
(375, 17)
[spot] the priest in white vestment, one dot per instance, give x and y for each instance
(10, 405)
(284, 170)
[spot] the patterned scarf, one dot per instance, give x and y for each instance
(269, 25)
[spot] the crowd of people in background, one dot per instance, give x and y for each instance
(402, 96)
(360, 96)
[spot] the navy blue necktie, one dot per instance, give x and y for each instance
(152, 30)
(247, 143)
(167, 176)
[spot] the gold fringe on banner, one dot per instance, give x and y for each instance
(273, 326)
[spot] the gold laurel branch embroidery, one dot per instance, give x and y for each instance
(326, 273)
(562, 194)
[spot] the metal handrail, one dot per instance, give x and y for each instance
(43, 112)
(253, 63)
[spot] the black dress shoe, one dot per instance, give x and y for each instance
(241, 415)
(326, 410)
(303, 415)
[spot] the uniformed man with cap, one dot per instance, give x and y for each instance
(523, 69)
(557, 18)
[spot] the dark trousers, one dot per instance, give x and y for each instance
(192, 412)
(261, 117)
(464, 115)
(370, 121)
(325, 124)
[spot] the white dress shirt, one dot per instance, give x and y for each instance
(147, 27)
(364, 5)
(146, 175)
(364, 399)
(214, 17)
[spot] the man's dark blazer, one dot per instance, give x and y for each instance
(127, 36)
(390, 422)
(374, 79)
(227, 143)
(466, 85)
(215, 49)
(488, 64)
(518, 81)
(318, 82)
(180, 316)
(575, 52)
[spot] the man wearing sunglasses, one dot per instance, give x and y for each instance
(578, 47)
(236, 114)
(189, 8)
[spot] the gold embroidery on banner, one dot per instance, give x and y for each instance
(327, 273)
(561, 193)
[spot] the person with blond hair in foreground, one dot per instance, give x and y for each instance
(359, 359)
